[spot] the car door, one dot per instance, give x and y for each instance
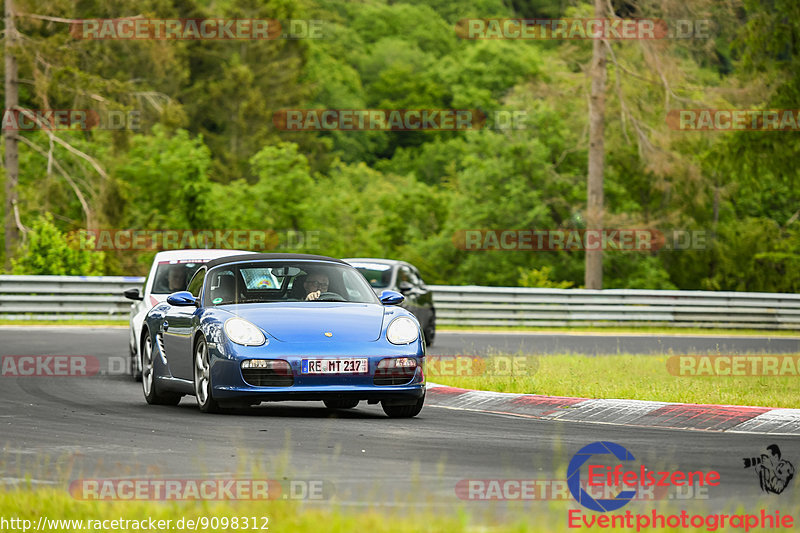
(406, 286)
(178, 329)
(136, 318)
(424, 298)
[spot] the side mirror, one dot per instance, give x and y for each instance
(405, 286)
(133, 294)
(391, 298)
(181, 299)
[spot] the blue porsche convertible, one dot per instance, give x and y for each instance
(270, 327)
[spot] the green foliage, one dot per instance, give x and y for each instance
(755, 254)
(163, 181)
(540, 277)
(50, 252)
(361, 212)
(417, 25)
(208, 155)
(279, 199)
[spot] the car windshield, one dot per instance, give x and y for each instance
(173, 276)
(379, 275)
(285, 281)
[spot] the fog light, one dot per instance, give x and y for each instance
(265, 364)
(398, 362)
(395, 371)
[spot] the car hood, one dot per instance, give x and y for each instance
(310, 321)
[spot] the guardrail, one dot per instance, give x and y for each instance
(516, 306)
(100, 298)
(65, 297)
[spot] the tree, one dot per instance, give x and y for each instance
(594, 177)
(11, 153)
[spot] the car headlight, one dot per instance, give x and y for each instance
(402, 330)
(243, 332)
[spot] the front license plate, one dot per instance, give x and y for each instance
(335, 366)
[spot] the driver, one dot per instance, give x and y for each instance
(177, 278)
(315, 284)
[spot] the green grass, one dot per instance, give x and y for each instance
(636, 377)
(627, 329)
(282, 516)
(534, 517)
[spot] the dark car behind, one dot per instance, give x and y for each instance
(392, 275)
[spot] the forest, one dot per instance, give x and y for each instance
(198, 143)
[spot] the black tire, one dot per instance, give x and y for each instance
(340, 404)
(150, 386)
(430, 333)
(136, 374)
(403, 411)
(203, 389)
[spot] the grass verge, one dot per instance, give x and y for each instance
(635, 377)
(59, 512)
(270, 515)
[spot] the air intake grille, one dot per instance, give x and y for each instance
(267, 377)
(393, 376)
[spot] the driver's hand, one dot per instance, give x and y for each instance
(313, 295)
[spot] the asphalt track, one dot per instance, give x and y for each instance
(58, 429)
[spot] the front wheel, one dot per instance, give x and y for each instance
(136, 366)
(340, 404)
(403, 411)
(149, 384)
(202, 378)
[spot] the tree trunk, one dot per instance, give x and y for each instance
(11, 155)
(593, 275)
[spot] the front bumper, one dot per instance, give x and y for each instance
(406, 394)
(229, 384)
